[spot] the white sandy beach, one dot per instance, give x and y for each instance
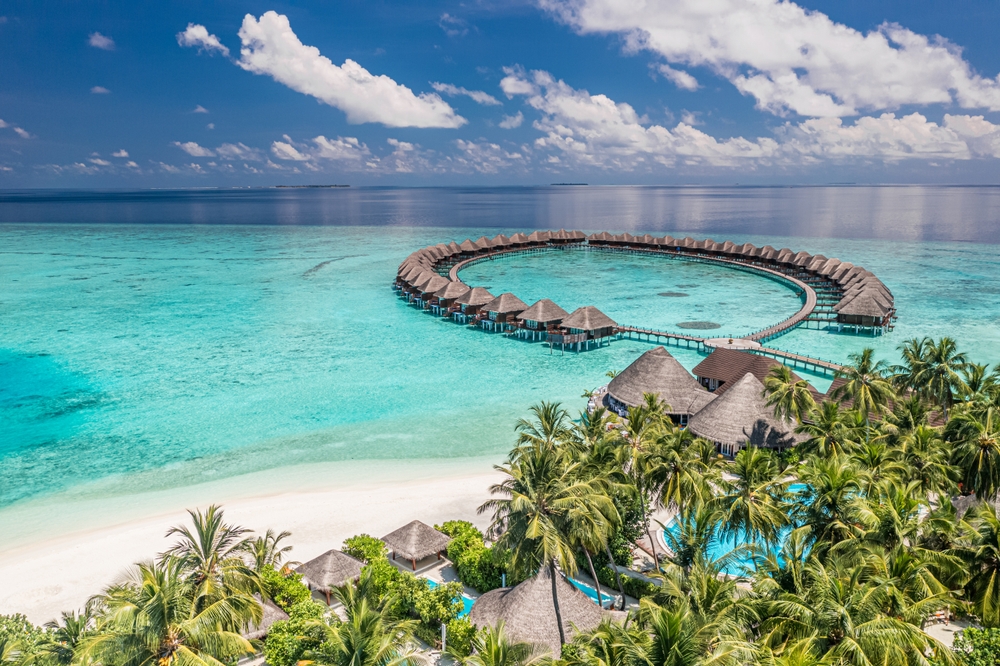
(89, 543)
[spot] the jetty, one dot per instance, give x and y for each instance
(834, 293)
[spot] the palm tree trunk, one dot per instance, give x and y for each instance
(593, 574)
(555, 602)
(652, 545)
(618, 575)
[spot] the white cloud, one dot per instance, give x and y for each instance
(679, 77)
(99, 162)
(790, 58)
(286, 151)
(131, 165)
(99, 90)
(237, 151)
(120, 153)
(2, 124)
(169, 168)
(99, 41)
(198, 35)
(193, 149)
(510, 122)
(210, 126)
(478, 96)
(341, 149)
(200, 109)
(453, 26)
(690, 118)
(23, 133)
(195, 167)
(484, 157)
(271, 47)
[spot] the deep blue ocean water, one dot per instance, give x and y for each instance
(154, 340)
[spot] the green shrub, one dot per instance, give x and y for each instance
(288, 640)
(977, 647)
(636, 589)
(284, 589)
(460, 635)
(479, 567)
(366, 548)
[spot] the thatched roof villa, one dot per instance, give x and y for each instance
(740, 417)
(535, 322)
(659, 373)
(445, 297)
(501, 311)
(415, 541)
(329, 571)
(724, 367)
(584, 326)
(468, 304)
(529, 615)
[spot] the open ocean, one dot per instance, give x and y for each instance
(159, 339)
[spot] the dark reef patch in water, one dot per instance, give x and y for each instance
(672, 294)
(699, 325)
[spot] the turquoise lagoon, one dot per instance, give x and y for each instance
(139, 358)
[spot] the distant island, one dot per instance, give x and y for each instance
(566, 184)
(307, 186)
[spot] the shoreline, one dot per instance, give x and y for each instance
(55, 566)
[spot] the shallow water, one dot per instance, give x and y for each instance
(137, 357)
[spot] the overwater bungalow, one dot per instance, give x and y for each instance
(528, 612)
(485, 243)
(535, 322)
(329, 571)
(584, 327)
(539, 237)
(416, 541)
(518, 240)
(741, 417)
(427, 290)
(499, 314)
(467, 305)
(500, 241)
(659, 373)
(445, 297)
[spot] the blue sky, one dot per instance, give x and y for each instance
(189, 94)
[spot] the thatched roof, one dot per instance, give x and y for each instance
(453, 289)
(423, 279)
(416, 540)
(468, 246)
(330, 570)
(543, 311)
(519, 238)
(529, 615)
(741, 415)
(577, 235)
(588, 318)
(863, 305)
(475, 296)
(454, 248)
(658, 372)
(484, 243)
(500, 240)
(539, 236)
(505, 303)
(272, 614)
(602, 236)
(729, 366)
(434, 284)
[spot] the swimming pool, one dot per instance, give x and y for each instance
(606, 599)
(467, 601)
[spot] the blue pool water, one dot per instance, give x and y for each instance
(466, 600)
(605, 599)
(138, 354)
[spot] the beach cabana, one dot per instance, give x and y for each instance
(659, 373)
(584, 325)
(329, 571)
(742, 417)
(500, 311)
(529, 615)
(415, 541)
(534, 322)
(271, 614)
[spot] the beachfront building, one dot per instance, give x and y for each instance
(740, 418)
(537, 321)
(528, 612)
(416, 541)
(500, 313)
(467, 305)
(659, 373)
(329, 571)
(724, 367)
(445, 297)
(583, 327)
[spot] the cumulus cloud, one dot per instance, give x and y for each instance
(237, 151)
(99, 162)
(193, 149)
(478, 96)
(340, 149)
(679, 77)
(23, 133)
(2, 124)
(484, 157)
(99, 90)
(131, 165)
(99, 41)
(594, 130)
(790, 58)
(453, 26)
(510, 122)
(120, 153)
(200, 109)
(271, 47)
(199, 36)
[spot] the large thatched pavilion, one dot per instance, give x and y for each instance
(529, 614)
(329, 571)
(415, 541)
(741, 417)
(659, 373)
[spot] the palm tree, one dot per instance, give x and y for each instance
(906, 375)
(267, 551)
(67, 635)
(531, 514)
(10, 652)
(679, 639)
(865, 383)
(828, 433)
(833, 506)
(790, 398)
(369, 636)
(152, 618)
(977, 451)
(982, 556)
(923, 456)
(751, 503)
(940, 378)
(608, 644)
(493, 647)
(549, 427)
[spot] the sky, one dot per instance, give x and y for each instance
(206, 94)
